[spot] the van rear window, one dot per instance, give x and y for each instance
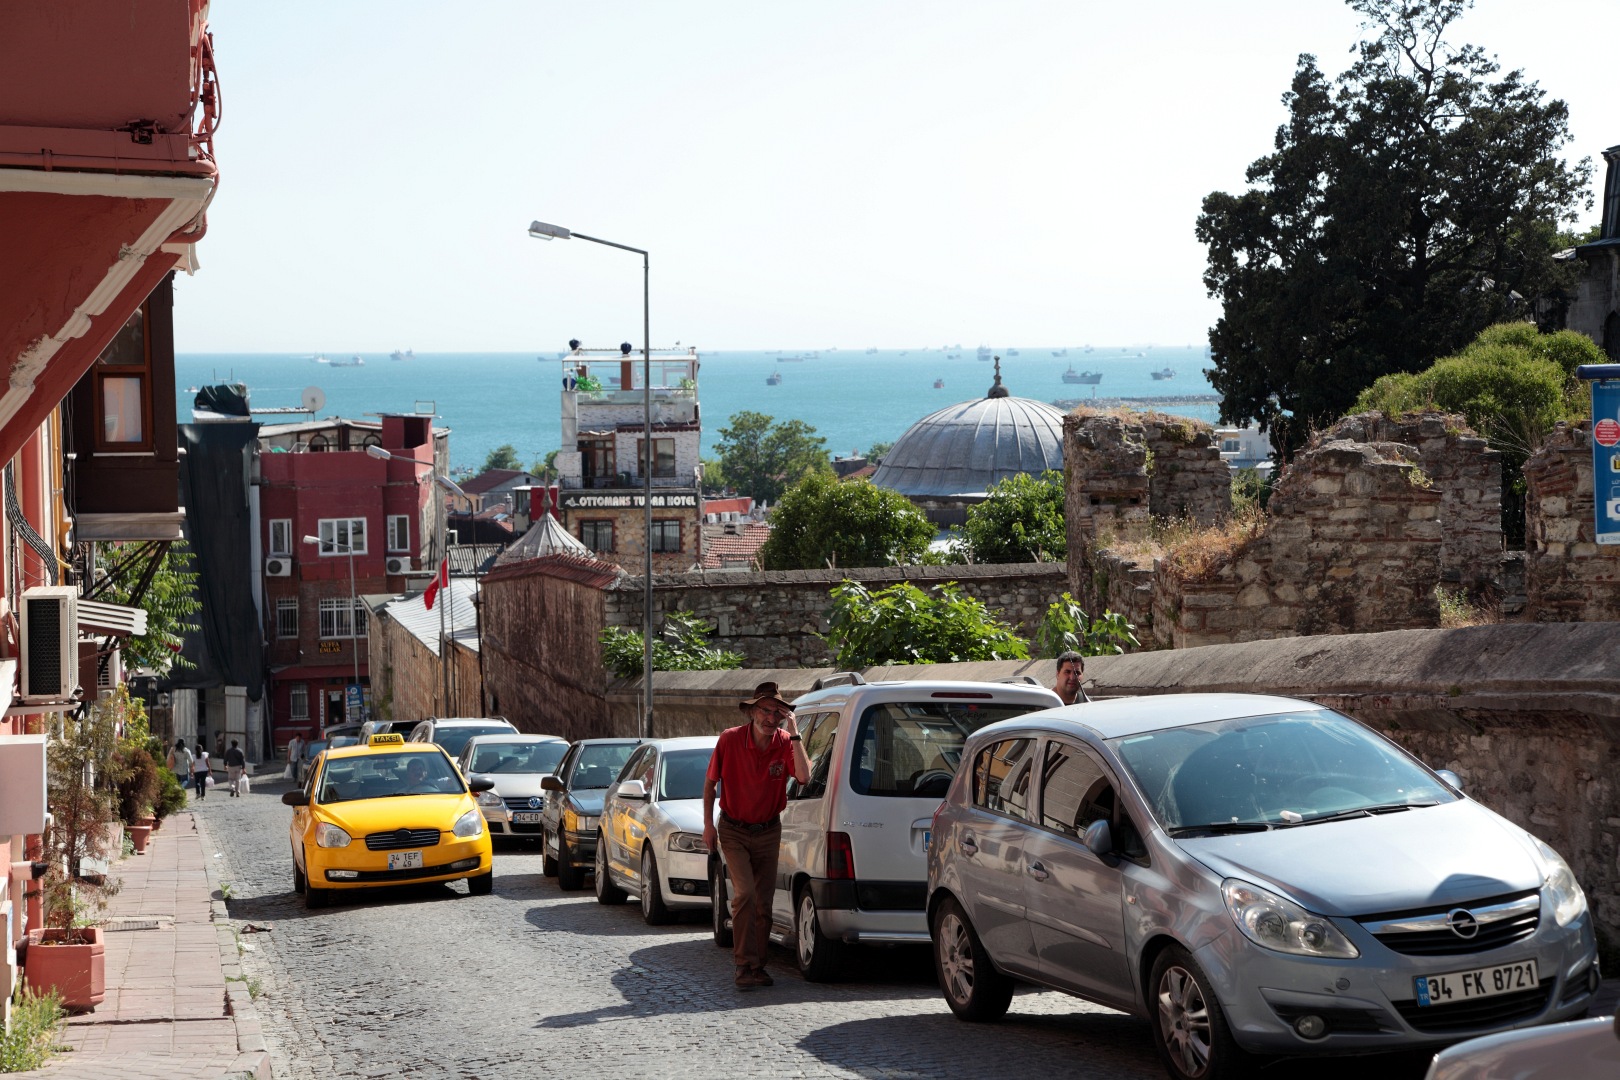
(911, 749)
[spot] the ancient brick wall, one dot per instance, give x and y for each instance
(1569, 577)
(1186, 476)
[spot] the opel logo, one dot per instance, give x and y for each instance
(1462, 923)
(534, 802)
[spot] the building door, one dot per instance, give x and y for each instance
(334, 708)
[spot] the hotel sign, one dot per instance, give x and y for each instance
(661, 501)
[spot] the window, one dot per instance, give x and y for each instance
(666, 536)
(596, 461)
(663, 463)
(820, 736)
(281, 536)
(1001, 778)
(1074, 790)
(298, 702)
(318, 444)
(399, 532)
(342, 617)
(343, 536)
(908, 749)
(596, 535)
(123, 388)
(286, 617)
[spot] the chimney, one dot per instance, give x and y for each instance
(1611, 195)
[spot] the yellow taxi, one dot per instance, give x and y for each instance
(387, 813)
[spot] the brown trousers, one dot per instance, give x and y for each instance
(751, 860)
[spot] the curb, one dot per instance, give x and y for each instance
(252, 1058)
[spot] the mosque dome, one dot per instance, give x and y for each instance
(963, 449)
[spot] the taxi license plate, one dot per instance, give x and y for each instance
(526, 817)
(1479, 983)
(404, 860)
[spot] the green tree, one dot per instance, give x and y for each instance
(878, 451)
(504, 456)
(170, 600)
(546, 467)
(682, 645)
(761, 458)
(904, 625)
(822, 521)
(1067, 628)
(1408, 204)
(1021, 520)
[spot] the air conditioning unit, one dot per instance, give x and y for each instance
(109, 679)
(280, 566)
(50, 643)
(397, 564)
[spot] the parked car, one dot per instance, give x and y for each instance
(346, 731)
(402, 728)
(384, 813)
(852, 868)
(651, 841)
(1255, 875)
(306, 760)
(1577, 1050)
(572, 807)
(515, 765)
(452, 732)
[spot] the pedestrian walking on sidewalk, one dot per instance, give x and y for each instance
(199, 771)
(295, 747)
(180, 762)
(235, 764)
(750, 765)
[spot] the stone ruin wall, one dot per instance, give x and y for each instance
(1187, 478)
(1569, 577)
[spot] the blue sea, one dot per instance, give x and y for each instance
(852, 397)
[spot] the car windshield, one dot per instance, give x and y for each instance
(910, 749)
(454, 739)
(684, 771)
(517, 757)
(599, 764)
(384, 776)
(313, 748)
(1273, 771)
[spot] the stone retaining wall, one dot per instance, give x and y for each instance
(1569, 577)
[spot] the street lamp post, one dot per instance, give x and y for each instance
(542, 231)
(354, 601)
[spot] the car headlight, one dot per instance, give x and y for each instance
(686, 841)
(490, 800)
(1274, 923)
(587, 823)
(469, 824)
(329, 835)
(1564, 893)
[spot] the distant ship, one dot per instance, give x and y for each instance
(983, 353)
(320, 358)
(1084, 378)
(1012, 352)
(774, 379)
(872, 350)
(939, 384)
(794, 359)
(1163, 373)
(406, 355)
(353, 361)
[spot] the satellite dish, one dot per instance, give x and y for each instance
(313, 399)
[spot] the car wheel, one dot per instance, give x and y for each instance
(653, 910)
(720, 903)
(821, 958)
(548, 864)
(606, 891)
(298, 877)
(316, 897)
(569, 876)
(973, 988)
(481, 884)
(1189, 1028)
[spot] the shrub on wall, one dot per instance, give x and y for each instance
(682, 645)
(904, 625)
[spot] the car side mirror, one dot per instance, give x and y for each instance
(551, 782)
(1099, 840)
(1453, 781)
(477, 783)
(632, 789)
(295, 798)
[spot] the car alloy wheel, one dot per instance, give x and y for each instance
(1191, 1032)
(606, 892)
(973, 988)
(654, 912)
(821, 958)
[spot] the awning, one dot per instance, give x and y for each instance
(116, 620)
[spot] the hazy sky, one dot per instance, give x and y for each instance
(906, 174)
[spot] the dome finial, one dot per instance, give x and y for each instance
(996, 389)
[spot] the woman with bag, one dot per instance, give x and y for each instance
(199, 771)
(179, 761)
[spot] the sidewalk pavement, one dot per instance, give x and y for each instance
(176, 1004)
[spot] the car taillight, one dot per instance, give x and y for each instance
(840, 857)
(933, 825)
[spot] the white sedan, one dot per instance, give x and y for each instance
(1576, 1050)
(651, 841)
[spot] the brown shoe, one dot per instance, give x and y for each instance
(763, 977)
(746, 979)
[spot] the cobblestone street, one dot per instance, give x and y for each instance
(532, 981)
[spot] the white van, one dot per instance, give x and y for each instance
(853, 866)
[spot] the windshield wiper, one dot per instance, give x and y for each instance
(1218, 828)
(1360, 811)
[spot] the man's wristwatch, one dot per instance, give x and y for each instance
(795, 738)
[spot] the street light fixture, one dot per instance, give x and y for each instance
(354, 602)
(540, 230)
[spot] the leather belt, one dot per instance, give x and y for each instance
(747, 827)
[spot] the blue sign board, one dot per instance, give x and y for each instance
(1605, 382)
(353, 702)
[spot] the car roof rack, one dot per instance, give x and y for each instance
(1024, 680)
(838, 678)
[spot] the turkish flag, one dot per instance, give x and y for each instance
(440, 580)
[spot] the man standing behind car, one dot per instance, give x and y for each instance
(751, 763)
(1071, 672)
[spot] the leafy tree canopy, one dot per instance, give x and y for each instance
(1067, 628)
(904, 625)
(822, 521)
(878, 451)
(1407, 205)
(762, 458)
(682, 645)
(170, 600)
(545, 468)
(504, 456)
(1021, 521)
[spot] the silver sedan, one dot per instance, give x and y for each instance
(516, 763)
(651, 843)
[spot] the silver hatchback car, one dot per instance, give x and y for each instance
(1255, 875)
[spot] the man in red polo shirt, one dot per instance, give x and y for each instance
(751, 764)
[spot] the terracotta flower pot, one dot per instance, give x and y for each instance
(71, 962)
(138, 835)
(150, 821)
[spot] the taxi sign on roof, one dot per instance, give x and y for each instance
(391, 739)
